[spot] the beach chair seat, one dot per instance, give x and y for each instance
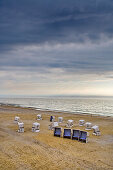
(57, 132)
(67, 133)
(83, 136)
(76, 134)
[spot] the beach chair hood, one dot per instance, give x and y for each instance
(60, 119)
(81, 122)
(88, 125)
(20, 124)
(36, 124)
(17, 118)
(70, 121)
(39, 117)
(95, 128)
(55, 124)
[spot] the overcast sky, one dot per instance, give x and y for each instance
(62, 47)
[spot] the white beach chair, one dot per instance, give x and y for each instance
(96, 130)
(81, 122)
(53, 125)
(60, 119)
(69, 123)
(36, 127)
(88, 126)
(16, 120)
(21, 127)
(39, 117)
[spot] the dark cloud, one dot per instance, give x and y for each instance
(36, 22)
(27, 21)
(85, 58)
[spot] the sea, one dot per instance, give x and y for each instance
(71, 104)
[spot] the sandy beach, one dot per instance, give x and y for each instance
(43, 151)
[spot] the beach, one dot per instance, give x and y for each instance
(43, 151)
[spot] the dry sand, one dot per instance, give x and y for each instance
(43, 151)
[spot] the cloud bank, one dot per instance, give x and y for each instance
(64, 45)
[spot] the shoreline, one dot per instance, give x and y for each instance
(55, 111)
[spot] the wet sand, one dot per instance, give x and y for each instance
(43, 151)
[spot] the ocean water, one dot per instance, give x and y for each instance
(84, 105)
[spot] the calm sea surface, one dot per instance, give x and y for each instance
(89, 105)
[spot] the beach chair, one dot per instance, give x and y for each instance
(53, 125)
(81, 122)
(75, 134)
(21, 127)
(83, 136)
(69, 123)
(36, 127)
(57, 132)
(39, 117)
(16, 120)
(52, 118)
(88, 126)
(67, 133)
(60, 119)
(96, 130)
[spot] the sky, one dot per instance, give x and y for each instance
(62, 47)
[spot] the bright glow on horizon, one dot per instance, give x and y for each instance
(32, 83)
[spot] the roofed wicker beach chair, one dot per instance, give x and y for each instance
(57, 132)
(67, 133)
(60, 119)
(88, 126)
(69, 123)
(53, 125)
(83, 136)
(96, 130)
(36, 127)
(16, 120)
(81, 122)
(52, 118)
(75, 134)
(21, 127)
(39, 117)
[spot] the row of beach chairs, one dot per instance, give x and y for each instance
(70, 123)
(74, 135)
(35, 127)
